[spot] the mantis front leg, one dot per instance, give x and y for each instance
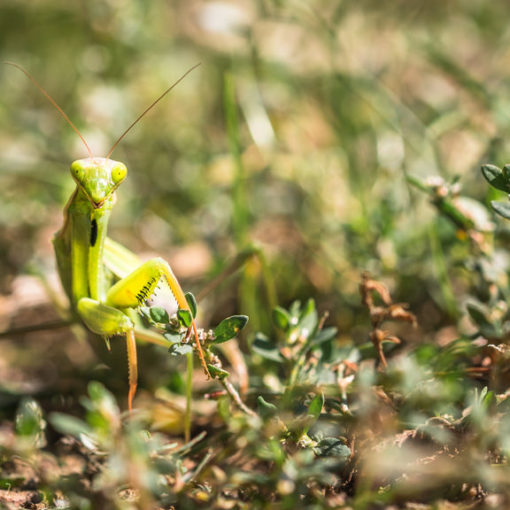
(132, 290)
(108, 321)
(109, 318)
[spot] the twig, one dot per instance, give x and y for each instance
(236, 398)
(58, 324)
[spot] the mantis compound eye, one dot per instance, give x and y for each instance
(77, 170)
(119, 173)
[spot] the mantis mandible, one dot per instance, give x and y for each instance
(104, 281)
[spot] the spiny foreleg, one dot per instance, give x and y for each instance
(132, 290)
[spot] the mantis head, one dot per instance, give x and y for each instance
(98, 178)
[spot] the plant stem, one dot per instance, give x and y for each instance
(189, 394)
(234, 395)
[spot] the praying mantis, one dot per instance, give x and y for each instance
(105, 282)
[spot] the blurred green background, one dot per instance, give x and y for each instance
(295, 134)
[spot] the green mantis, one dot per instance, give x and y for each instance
(104, 281)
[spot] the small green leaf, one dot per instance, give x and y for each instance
(173, 337)
(266, 409)
(495, 177)
(69, 424)
(302, 423)
(217, 373)
(102, 404)
(192, 303)
(478, 314)
(308, 319)
(315, 407)
(333, 447)
(159, 315)
(30, 421)
(179, 349)
(229, 327)
(313, 413)
(486, 396)
(265, 348)
(307, 309)
(224, 408)
(294, 309)
(324, 335)
(502, 208)
(185, 317)
(98, 393)
(281, 318)
(173, 326)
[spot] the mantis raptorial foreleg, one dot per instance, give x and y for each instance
(107, 318)
(132, 290)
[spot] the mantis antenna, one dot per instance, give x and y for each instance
(68, 120)
(52, 101)
(154, 103)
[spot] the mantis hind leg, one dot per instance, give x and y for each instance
(132, 290)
